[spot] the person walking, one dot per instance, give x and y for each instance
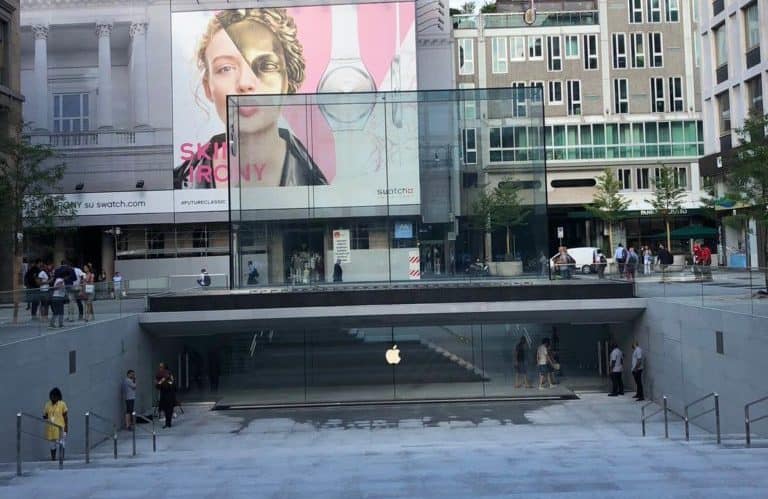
(563, 262)
(617, 366)
(620, 256)
(89, 288)
(599, 262)
(55, 411)
(129, 395)
(117, 286)
(664, 259)
(337, 271)
(58, 298)
(544, 364)
(164, 383)
(33, 288)
(630, 266)
(43, 281)
(637, 370)
(647, 260)
(521, 367)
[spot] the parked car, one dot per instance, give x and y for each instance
(584, 257)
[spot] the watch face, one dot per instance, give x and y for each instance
(347, 79)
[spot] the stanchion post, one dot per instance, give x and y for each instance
(133, 434)
(687, 428)
(114, 445)
(18, 444)
(717, 417)
(87, 437)
(746, 426)
(666, 419)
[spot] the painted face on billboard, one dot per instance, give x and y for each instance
(245, 58)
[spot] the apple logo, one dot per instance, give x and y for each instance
(393, 355)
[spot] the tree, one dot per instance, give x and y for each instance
(488, 8)
(608, 204)
(667, 198)
(468, 7)
(747, 178)
(28, 198)
(501, 208)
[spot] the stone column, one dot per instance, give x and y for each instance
(139, 85)
(42, 102)
(103, 31)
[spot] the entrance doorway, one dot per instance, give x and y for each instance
(303, 255)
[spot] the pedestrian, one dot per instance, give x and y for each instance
(89, 288)
(647, 260)
(337, 272)
(543, 264)
(55, 411)
(78, 290)
(663, 258)
(617, 366)
(637, 370)
(630, 266)
(117, 286)
(67, 273)
(253, 274)
(129, 395)
(165, 385)
(23, 275)
(43, 281)
(521, 368)
(620, 256)
(33, 288)
(204, 280)
(544, 364)
(58, 299)
(563, 262)
(600, 262)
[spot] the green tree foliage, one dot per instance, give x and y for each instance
(468, 7)
(499, 208)
(488, 8)
(29, 182)
(667, 197)
(608, 204)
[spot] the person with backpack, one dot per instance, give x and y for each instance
(253, 274)
(630, 267)
(204, 280)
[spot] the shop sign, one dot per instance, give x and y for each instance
(341, 250)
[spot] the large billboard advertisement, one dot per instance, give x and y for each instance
(351, 154)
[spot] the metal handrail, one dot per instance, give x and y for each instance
(748, 421)
(88, 430)
(19, 431)
(153, 432)
(665, 408)
(715, 409)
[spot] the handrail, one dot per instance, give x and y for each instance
(748, 421)
(153, 432)
(113, 435)
(19, 431)
(716, 410)
(665, 408)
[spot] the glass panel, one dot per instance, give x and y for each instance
(71, 105)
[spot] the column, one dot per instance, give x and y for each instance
(103, 31)
(139, 85)
(41, 77)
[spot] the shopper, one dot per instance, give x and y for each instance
(544, 364)
(521, 366)
(637, 370)
(165, 384)
(630, 266)
(117, 286)
(129, 395)
(617, 366)
(55, 411)
(337, 271)
(647, 260)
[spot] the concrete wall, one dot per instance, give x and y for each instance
(104, 352)
(682, 361)
(183, 272)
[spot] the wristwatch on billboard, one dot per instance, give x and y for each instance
(346, 73)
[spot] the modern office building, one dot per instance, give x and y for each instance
(733, 84)
(620, 81)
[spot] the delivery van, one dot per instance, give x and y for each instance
(584, 259)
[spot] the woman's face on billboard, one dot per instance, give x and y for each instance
(246, 58)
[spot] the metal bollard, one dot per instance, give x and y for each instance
(687, 428)
(642, 418)
(18, 444)
(746, 425)
(666, 419)
(133, 435)
(61, 453)
(717, 417)
(87, 437)
(114, 440)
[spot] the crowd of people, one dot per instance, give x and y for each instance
(52, 289)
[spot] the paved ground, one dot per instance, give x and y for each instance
(584, 448)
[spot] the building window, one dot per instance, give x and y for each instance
(155, 240)
(4, 53)
(517, 48)
(70, 113)
(676, 102)
(681, 177)
(535, 48)
(752, 26)
(721, 46)
(657, 95)
(470, 146)
(359, 238)
(469, 179)
(625, 178)
(200, 238)
(499, 54)
(635, 11)
(572, 47)
(466, 56)
(724, 110)
(574, 97)
(470, 105)
(555, 92)
(619, 51)
(512, 143)
(637, 46)
(656, 48)
(538, 92)
(755, 95)
(620, 96)
(654, 11)
(519, 104)
(554, 54)
(590, 52)
(673, 11)
(643, 179)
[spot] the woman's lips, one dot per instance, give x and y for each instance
(247, 112)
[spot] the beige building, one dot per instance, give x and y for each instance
(619, 89)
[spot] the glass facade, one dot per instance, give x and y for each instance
(364, 187)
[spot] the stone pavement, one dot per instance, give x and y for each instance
(582, 448)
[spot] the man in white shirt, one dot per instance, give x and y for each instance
(544, 362)
(617, 366)
(637, 370)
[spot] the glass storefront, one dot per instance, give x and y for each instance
(365, 187)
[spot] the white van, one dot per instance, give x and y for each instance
(584, 259)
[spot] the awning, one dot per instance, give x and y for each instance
(689, 232)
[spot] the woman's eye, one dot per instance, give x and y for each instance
(225, 69)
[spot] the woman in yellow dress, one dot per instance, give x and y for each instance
(55, 411)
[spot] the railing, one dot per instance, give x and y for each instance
(715, 409)
(664, 408)
(136, 418)
(96, 138)
(19, 431)
(88, 429)
(748, 421)
(516, 20)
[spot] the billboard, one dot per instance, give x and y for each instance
(349, 154)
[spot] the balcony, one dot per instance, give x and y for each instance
(543, 19)
(99, 138)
